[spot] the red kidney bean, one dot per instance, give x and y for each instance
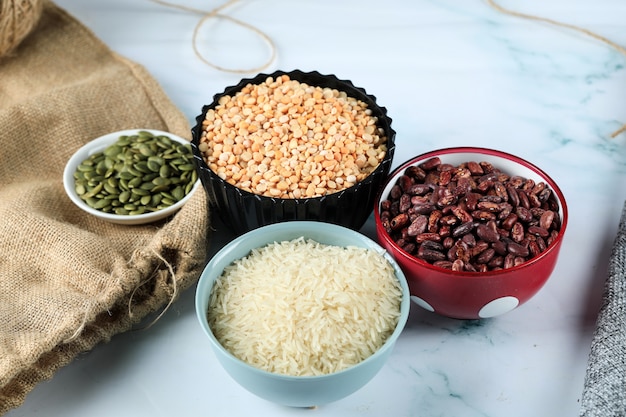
(405, 182)
(458, 265)
(433, 221)
(405, 203)
(475, 168)
(539, 231)
(427, 236)
(544, 195)
(517, 249)
(517, 232)
(524, 214)
(419, 189)
(463, 229)
(470, 217)
(469, 240)
(431, 244)
(418, 226)
(410, 248)
(445, 177)
(395, 192)
(461, 213)
(430, 255)
(533, 248)
(430, 163)
(477, 247)
(485, 256)
(443, 264)
(509, 221)
(497, 262)
(546, 219)
(523, 199)
(500, 247)
(416, 173)
(541, 243)
(491, 206)
(487, 234)
(482, 215)
(448, 242)
(399, 221)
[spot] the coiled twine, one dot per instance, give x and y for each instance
(17, 20)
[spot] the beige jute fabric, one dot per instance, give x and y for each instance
(69, 281)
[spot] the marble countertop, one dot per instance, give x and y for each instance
(450, 73)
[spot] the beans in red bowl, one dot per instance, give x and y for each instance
(477, 231)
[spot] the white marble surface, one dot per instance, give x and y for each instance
(450, 73)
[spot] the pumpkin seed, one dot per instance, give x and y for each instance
(135, 182)
(100, 204)
(111, 189)
(145, 200)
(178, 193)
(124, 196)
(137, 174)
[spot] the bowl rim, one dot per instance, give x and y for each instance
(206, 283)
(99, 144)
(476, 150)
(384, 121)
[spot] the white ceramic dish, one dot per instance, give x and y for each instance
(98, 145)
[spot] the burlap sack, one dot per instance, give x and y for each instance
(69, 281)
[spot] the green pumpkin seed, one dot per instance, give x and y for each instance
(189, 187)
(142, 166)
(165, 171)
(137, 174)
(124, 196)
(95, 190)
(148, 186)
(178, 193)
(133, 171)
(149, 177)
(146, 150)
(145, 200)
(140, 191)
(124, 185)
(91, 201)
(161, 181)
(186, 167)
(111, 189)
(113, 150)
(125, 175)
(135, 182)
(100, 204)
(154, 166)
(85, 167)
(156, 200)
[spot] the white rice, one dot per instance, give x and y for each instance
(303, 308)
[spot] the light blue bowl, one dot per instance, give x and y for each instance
(296, 391)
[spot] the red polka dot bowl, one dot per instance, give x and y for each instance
(481, 291)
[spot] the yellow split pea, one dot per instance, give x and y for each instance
(287, 139)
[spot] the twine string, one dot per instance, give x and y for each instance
(172, 297)
(584, 31)
(216, 13)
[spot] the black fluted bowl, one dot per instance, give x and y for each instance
(244, 211)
